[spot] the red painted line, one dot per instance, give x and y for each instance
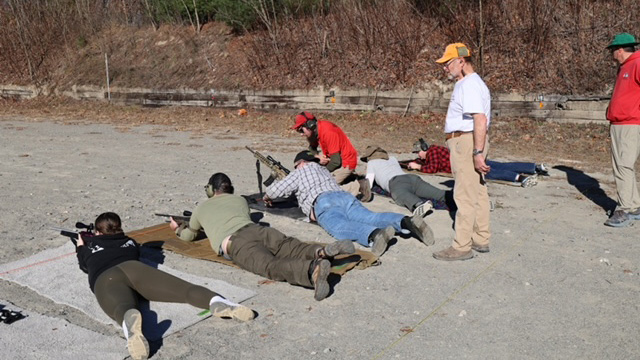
(150, 231)
(38, 263)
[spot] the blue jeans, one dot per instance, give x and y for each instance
(509, 171)
(345, 218)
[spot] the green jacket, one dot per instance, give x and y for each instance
(219, 216)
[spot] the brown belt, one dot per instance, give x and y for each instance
(456, 134)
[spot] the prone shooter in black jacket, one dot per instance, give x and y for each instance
(116, 277)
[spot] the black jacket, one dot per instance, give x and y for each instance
(105, 251)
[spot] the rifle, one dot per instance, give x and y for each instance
(185, 217)
(404, 164)
(73, 234)
(278, 171)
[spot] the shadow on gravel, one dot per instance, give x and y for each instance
(589, 187)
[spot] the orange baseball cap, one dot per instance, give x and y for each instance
(453, 51)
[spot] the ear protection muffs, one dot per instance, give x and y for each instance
(312, 123)
(423, 145)
(209, 190)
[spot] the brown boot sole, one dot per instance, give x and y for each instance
(480, 249)
(320, 283)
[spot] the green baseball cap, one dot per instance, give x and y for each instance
(623, 39)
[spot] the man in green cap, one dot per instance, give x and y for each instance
(624, 115)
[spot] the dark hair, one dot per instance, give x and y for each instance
(629, 49)
(220, 182)
(108, 223)
(626, 48)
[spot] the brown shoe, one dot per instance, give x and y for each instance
(451, 254)
(480, 248)
(381, 238)
(340, 247)
(365, 191)
(321, 270)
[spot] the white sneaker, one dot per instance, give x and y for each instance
(423, 208)
(542, 169)
(529, 181)
(225, 309)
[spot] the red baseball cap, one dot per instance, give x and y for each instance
(302, 118)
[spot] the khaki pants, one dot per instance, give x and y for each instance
(470, 194)
(625, 149)
(342, 174)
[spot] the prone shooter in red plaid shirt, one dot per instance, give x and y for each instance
(431, 159)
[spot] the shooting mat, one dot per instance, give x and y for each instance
(162, 236)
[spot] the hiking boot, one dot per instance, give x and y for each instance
(451, 254)
(635, 214)
(529, 181)
(620, 218)
(480, 248)
(423, 209)
(321, 269)
(337, 248)
(225, 309)
(136, 343)
(542, 169)
(380, 240)
(419, 229)
(365, 191)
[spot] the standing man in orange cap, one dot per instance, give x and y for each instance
(466, 127)
(624, 115)
(338, 155)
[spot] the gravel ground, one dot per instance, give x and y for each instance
(556, 284)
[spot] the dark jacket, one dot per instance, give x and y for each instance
(105, 251)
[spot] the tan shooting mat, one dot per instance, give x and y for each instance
(162, 236)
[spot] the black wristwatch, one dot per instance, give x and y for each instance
(477, 152)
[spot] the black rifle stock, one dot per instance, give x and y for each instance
(278, 171)
(73, 234)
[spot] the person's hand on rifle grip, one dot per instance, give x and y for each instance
(173, 224)
(267, 201)
(79, 242)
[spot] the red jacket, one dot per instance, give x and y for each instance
(624, 108)
(333, 140)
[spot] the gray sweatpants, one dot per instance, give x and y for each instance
(116, 289)
(409, 190)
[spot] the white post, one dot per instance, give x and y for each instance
(106, 64)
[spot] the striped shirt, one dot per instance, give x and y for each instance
(306, 183)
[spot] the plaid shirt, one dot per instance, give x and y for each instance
(437, 160)
(306, 182)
